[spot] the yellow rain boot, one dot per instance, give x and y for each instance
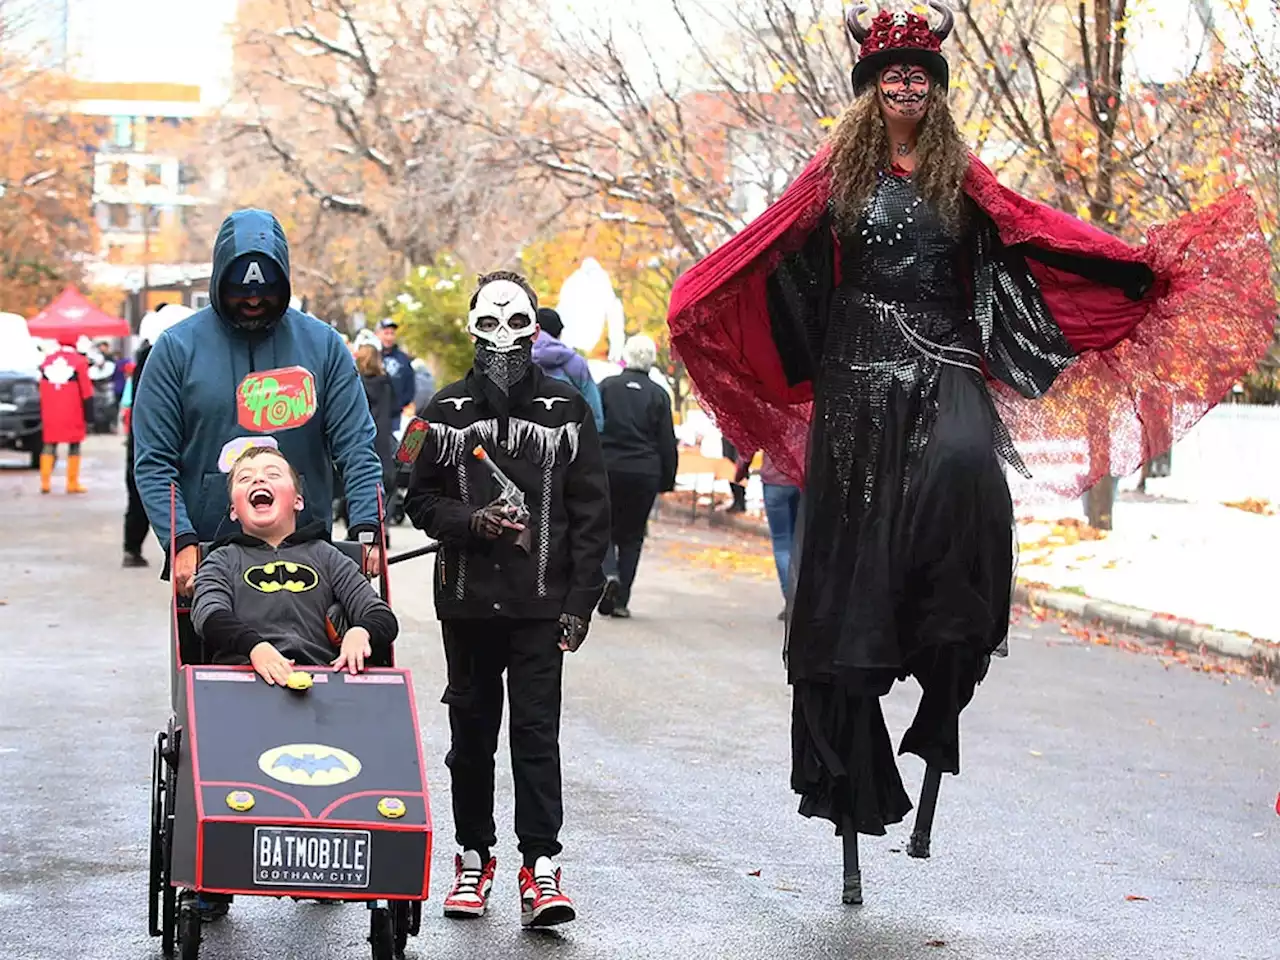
(73, 475)
(46, 471)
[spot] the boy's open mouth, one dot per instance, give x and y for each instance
(261, 498)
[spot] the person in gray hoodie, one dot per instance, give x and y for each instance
(249, 370)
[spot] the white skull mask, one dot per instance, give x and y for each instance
(503, 314)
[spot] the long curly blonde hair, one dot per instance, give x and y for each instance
(860, 150)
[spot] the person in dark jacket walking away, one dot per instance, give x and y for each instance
(558, 359)
(135, 515)
(398, 364)
(511, 481)
(248, 370)
(640, 452)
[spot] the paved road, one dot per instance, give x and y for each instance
(1090, 775)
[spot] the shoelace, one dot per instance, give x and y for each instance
(547, 885)
(468, 882)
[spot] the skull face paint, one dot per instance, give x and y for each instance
(904, 91)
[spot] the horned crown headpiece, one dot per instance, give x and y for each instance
(899, 37)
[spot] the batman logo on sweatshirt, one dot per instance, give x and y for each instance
(282, 575)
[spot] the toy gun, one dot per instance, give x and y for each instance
(511, 497)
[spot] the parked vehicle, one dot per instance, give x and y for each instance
(20, 413)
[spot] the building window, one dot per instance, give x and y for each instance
(155, 217)
(122, 131)
(120, 216)
(154, 175)
(119, 174)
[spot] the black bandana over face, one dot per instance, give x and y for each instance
(504, 368)
(256, 324)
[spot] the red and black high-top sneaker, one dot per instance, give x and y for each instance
(472, 883)
(542, 902)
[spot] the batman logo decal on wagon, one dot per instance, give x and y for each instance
(309, 765)
(282, 575)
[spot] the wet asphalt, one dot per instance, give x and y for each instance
(1111, 803)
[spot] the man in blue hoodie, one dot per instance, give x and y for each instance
(249, 370)
(557, 359)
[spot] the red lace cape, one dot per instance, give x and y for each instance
(1147, 370)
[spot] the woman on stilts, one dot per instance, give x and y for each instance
(888, 331)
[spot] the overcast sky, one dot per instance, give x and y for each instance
(185, 41)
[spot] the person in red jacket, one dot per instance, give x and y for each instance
(66, 407)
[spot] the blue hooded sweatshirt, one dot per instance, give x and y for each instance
(209, 390)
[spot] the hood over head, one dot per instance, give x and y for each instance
(250, 255)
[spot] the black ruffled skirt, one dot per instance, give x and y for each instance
(906, 571)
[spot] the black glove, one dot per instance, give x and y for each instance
(486, 523)
(575, 631)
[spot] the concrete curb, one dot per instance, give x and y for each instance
(1188, 636)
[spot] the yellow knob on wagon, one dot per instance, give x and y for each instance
(240, 800)
(392, 808)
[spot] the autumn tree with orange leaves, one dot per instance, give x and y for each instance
(46, 183)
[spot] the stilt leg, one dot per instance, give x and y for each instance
(852, 871)
(923, 832)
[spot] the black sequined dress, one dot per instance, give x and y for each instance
(907, 543)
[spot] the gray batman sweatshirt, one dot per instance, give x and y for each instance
(247, 592)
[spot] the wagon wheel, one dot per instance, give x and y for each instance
(168, 895)
(381, 936)
(401, 925)
(415, 917)
(189, 928)
(155, 871)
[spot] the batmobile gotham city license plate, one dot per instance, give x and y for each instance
(308, 857)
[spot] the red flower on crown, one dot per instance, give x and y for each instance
(891, 33)
(909, 31)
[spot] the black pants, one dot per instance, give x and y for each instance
(136, 523)
(477, 653)
(631, 499)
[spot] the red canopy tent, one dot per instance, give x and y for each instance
(71, 316)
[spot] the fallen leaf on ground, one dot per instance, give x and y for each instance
(935, 943)
(1036, 753)
(1134, 896)
(753, 873)
(1252, 505)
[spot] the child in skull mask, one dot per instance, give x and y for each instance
(517, 578)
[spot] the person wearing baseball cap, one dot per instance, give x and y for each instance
(397, 363)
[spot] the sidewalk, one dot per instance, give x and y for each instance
(1198, 574)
